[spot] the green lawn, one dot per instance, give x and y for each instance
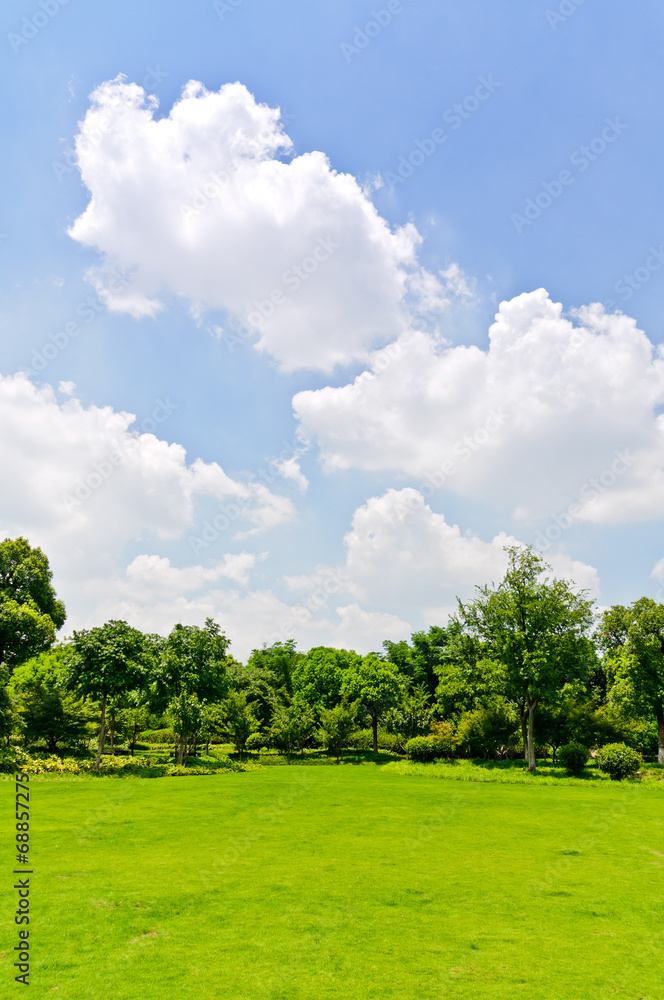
(329, 883)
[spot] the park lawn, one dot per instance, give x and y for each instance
(311, 883)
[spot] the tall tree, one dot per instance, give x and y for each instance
(318, 676)
(280, 661)
(538, 630)
(191, 671)
(30, 612)
(107, 662)
(47, 710)
(633, 638)
(376, 684)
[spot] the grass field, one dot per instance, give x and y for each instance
(338, 883)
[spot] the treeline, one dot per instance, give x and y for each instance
(526, 667)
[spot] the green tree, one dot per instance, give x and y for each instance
(538, 630)
(30, 612)
(48, 711)
(107, 662)
(412, 716)
(318, 675)
(633, 638)
(191, 671)
(239, 718)
(420, 661)
(280, 661)
(376, 684)
(336, 727)
(292, 727)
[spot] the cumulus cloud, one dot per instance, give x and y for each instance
(208, 204)
(402, 555)
(553, 405)
(85, 485)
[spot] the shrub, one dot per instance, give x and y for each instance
(443, 733)
(424, 748)
(362, 739)
(618, 761)
(573, 756)
(159, 736)
(256, 741)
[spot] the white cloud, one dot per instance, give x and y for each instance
(289, 468)
(84, 485)
(527, 423)
(202, 204)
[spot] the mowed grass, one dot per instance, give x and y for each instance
(341, 882)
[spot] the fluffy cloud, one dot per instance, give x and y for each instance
(85, 486)
(400, 555)
(205, 204)
(555, 411)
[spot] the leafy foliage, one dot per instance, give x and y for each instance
(574, 757)
(618, 761)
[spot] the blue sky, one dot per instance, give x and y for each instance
(541, 92)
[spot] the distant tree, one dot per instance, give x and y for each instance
(318, 676)
(280, 661)
(484, 731)
(7, 717)
(336, 727)
(292, 727)
(633, 638)
(538, 630)
(48, 711)
(239, 718)
(420, 662)
(30, 612)
(413, 714)
(376, 684)
(107, 662)
(191, 671)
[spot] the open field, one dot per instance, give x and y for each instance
(310, 883)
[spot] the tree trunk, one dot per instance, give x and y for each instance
(524, 733)
(374, 726)
(532, 763)
(102, 733)
(180, 751)
(660, 734)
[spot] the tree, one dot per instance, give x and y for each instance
(292, 727)
(30, 612)
(107, 662)
(318, 675)
(191, 671)
(376, 684)
(420, 662)
(412, 716)
(336, 727)
(538, 630)
(280, 661)
(47, 710)
(239, 718)
(633, 638)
